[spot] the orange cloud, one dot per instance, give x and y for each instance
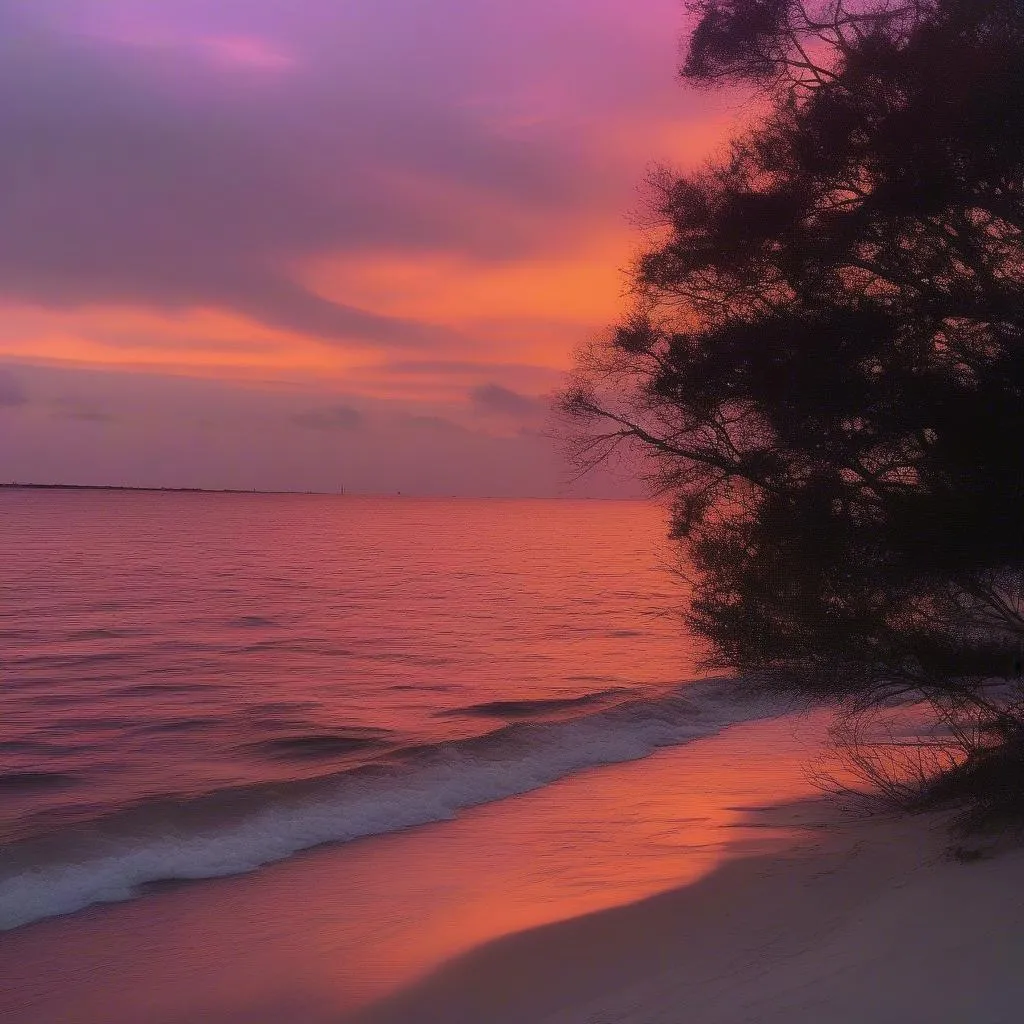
(532, 310)
(204, 342)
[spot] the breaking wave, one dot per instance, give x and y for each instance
(237, 831)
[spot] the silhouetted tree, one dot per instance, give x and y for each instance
(825, 364)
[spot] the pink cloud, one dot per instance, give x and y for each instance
(405, 202)
(246, 52)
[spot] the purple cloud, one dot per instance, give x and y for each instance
(183, 432)
(419, 421)
(493, 398)
(11, 391)
(144, 164)
(338, 417)
(186, 155)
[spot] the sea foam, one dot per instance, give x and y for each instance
(413, 787)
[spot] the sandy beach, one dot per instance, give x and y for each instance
(858, 921)
(483, 485)
(707, 883)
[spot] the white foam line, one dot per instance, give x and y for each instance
(436, 787)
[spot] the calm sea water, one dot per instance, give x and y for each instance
(197, 684)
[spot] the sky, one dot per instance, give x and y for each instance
(314, 244)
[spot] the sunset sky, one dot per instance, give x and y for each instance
(320, 243)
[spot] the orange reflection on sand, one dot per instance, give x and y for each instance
(326, 932)
(607, 838)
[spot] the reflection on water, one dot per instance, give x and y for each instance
(309, 938)
(199, 684)
(166, 646)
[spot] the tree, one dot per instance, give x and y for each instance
(824, 367)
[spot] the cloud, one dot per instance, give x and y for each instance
(433, 423)
(11, 391)
(145, 163)
(178, 431)
(138, 177)
(85, 415)
(246, 52)
(494, 399)
(397, 203)
(339, 417)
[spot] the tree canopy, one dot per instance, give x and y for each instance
(824, 366)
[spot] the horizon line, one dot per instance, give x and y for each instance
(16, 485)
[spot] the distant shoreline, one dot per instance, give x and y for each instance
(324, 494)
(173, 490)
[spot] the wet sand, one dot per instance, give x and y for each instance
(325, 933)
(858, 921)
(708, 884)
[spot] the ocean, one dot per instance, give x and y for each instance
(198, 684)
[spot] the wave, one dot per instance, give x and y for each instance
(527, 708)
(158, 689)
(252, 621)
(235, 833)
(34, 780)
(322, 745)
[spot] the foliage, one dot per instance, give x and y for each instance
(825, 363)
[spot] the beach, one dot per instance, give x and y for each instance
(407, 762)
(509, 512)
(706, 883)
(855, 922)
(342, 927)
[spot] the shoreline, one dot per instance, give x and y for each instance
(704, 884)
(336, 928)
(858, 920)
(160, 490)
(341, 493)
(242, 829)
